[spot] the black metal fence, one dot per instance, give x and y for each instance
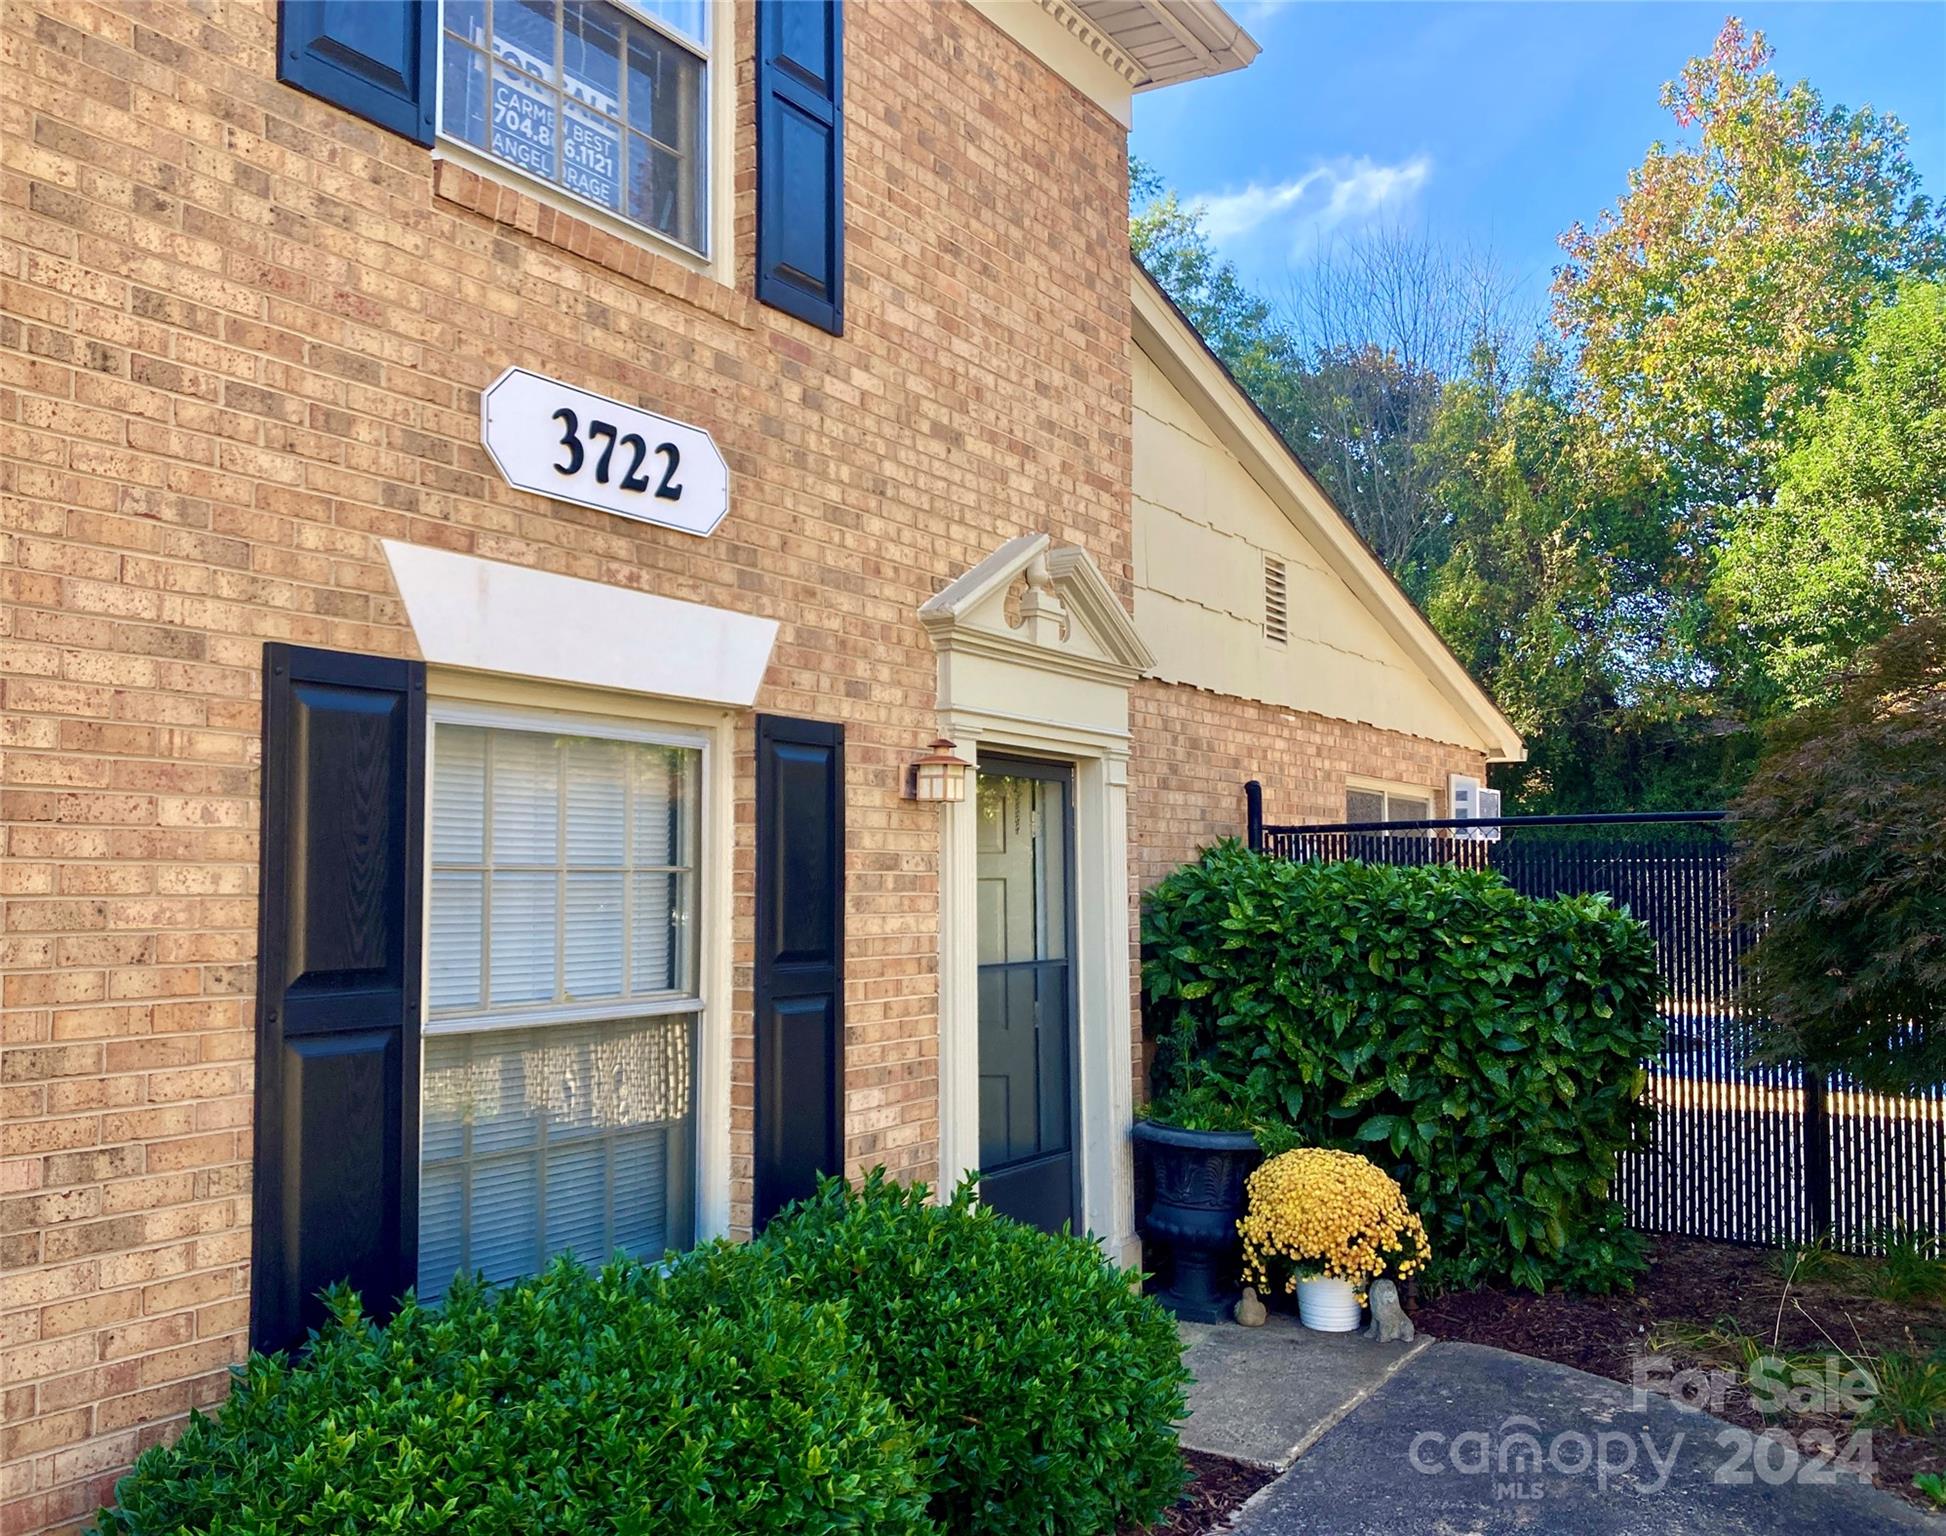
(1742, 1152)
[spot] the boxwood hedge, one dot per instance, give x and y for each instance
(1045, 1388)
(874, 1365)
(1488, 1045)
(621, 1401)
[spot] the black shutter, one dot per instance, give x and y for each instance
(337, 1159)
(801, 160)
(374, 57)
(800, 996)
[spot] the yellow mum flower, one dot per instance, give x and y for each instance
(1330, 1213)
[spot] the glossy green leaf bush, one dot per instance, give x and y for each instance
(624, 1402)
(1044, 1387)
(1487, 1047)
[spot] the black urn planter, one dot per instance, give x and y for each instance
(1196, 1178)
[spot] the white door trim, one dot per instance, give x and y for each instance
(1053, 686)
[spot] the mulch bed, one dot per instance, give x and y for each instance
(1217, 1489)
(1700, 1285)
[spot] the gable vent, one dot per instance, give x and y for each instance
(1277, 622)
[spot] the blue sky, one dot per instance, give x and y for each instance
(1491, 125)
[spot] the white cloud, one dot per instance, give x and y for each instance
(1256, 13)
(1322, 199)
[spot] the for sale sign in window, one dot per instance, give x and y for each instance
(523, 122)
(591, 158)
(580, 95)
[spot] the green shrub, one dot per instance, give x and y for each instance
(1841, 847)
(621, 1401)
(1489, 1043)
(1045, 1387)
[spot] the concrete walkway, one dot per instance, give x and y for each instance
(1432, 1441)
(1265, 1395)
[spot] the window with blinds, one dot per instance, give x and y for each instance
(1365, 805)
(558, 1082)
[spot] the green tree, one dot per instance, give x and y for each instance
(1714, 305)
(1842, 848)
(1559, 581)
(1168, 238)
(1855, 541)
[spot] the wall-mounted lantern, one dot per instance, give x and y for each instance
(939, 776)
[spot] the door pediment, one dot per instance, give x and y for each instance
(1066, 618)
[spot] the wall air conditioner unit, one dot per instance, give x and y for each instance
(1470, 800)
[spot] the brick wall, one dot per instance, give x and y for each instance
(242, 338)
(1195, 750)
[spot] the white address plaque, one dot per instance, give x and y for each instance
(555, 440)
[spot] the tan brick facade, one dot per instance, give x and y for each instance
(243, 338)
(1194, 751)
(242, 341)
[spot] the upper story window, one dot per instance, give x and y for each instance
(606, 102)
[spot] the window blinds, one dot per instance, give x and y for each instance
(562, 877)
(569, 1138)
(562, 870)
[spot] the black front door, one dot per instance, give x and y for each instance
(1026, 907)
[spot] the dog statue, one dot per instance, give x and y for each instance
(1389, 1322)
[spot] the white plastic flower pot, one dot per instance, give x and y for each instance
(1328, 1305)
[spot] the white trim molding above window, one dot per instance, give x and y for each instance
(613, 106)
(565, 974)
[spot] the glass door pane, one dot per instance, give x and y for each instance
(1024, 879)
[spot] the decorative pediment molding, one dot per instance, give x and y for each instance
(1069, 619)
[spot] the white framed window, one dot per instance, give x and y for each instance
(559, 1060)
(606, 102)
(1381, 803)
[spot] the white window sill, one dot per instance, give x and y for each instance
(564, 202)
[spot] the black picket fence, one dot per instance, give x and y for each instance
(1741, 1152)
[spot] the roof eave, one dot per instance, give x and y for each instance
(1166, 41)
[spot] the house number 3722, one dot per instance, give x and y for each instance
(571, 445)
(601, 444)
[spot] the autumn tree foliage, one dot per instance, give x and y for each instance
(1720, 298)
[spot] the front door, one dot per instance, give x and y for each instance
(1026, 883)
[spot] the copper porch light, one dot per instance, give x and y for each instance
(939, 776)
